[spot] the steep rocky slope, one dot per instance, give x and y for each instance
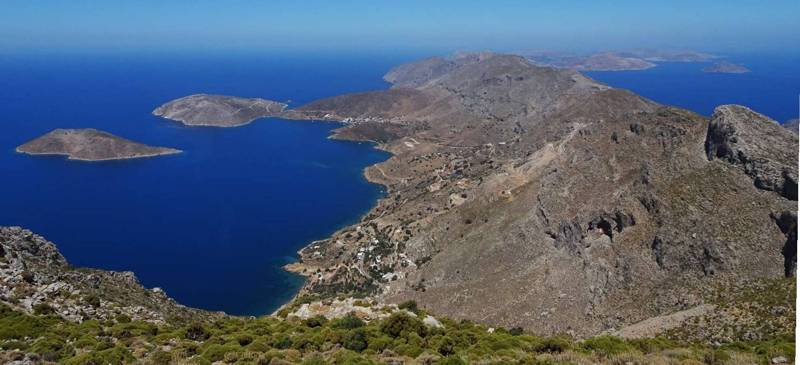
(527, 196)
(90, 145)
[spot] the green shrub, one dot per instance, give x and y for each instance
(123, 318)
(446, 346)
(282, 342)
(196, 332)
(114, 356)
(409, 305)
(103, 344)
(43, 309)
(258, 346)
(316, 321)
(314, 360)
(14, 345)
(244, 339)
(716, 357)
(217, 352)
(775, 348)
(52, 348)
(652, 345)
(350, 358)
(85, 342)
(451, 360)
(400, 322)
(606, 345)
(355, 340)
(92, 300)
(552, 344)
(16, 325)
(349, 321)
(160, 358)
(408, 350)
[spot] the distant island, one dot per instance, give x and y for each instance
(218, 110)
(90, 145)
(614, 61)
(655, 55)
(726, 67)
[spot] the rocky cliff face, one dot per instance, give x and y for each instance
(35, 278)
(528, 196)
(756, 144)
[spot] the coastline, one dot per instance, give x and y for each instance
(304, 270)
(72, 158)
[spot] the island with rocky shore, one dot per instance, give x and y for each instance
(632, 60)
(90, 145)
(218, 110)
(725, 67)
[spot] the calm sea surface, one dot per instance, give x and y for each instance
(772, 88)
(213, 226)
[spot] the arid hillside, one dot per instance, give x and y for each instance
(529, 196)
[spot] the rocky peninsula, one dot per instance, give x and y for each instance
(90, 145)
(725, 67)
(522, 195)
(218, 110)
(580, 199)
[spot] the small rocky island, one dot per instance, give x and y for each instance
(725, 67)
(218, 110)
(90, 145)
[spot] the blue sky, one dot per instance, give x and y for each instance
(731, 25)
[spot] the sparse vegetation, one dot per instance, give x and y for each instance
(346, 340)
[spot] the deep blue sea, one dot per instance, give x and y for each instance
(211, 226)
(772, 88)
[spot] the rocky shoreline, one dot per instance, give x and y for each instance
(90, 145)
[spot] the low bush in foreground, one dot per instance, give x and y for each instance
(347, 340)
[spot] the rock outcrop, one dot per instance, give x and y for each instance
(35, 278)
(218, 110)
(757, 145)
(90, 145)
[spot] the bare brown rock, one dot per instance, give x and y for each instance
(218, 110)
(90, 145)
(758, 145)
